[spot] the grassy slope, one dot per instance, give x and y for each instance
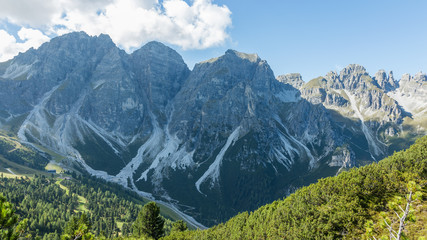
(335, 207)
(18, 169)
(82, 201)
(12, 150)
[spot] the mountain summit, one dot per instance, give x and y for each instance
(220, 139)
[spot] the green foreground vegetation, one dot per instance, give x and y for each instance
(353, 205)
(371, 202)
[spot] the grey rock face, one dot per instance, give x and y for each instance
(413, 84)
(228, 90)
(385, 82)
(411, 95)
(294, 79)
(160, 70)
(343, 157)
(45, 68)
(88, 91)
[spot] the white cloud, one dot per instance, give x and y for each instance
(33, 13)
(130, 23)
(201, 25)
(10, 47)
(6, 41)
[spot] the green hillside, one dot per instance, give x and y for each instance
(12, 150)
(352, 205)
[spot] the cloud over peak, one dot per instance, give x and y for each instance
(130, 23)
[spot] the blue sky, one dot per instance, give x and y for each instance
(309, 37)
(320, 36)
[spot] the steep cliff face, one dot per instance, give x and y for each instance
(160, 72)
(411, 94)
(82, 96)
(223, 138)
(293, 79)
(386, 83)
(37, 72)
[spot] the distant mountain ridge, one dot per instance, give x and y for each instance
(225, 137)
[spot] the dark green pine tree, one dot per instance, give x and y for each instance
(10, 229)
(125, 229)
(78, 229)
(149, 222)
(179, 226)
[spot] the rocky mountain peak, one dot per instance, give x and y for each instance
(79, 41)
(381, 76)
(417, 78)
(70, 58)
(154, 48)
(352, 69)
(413, 85)
(232, 68)
(332, 75)
(333, 80)
(420, 77)
(383, 81)
(250, 57)
(354, 76)
(161, 70)
(406, 77)
(391, 77)
(293, 79)
(73, 47)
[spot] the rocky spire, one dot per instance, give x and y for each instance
(293, 79)
(391, 80)
(383, 81)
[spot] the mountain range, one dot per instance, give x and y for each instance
(224, 137)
